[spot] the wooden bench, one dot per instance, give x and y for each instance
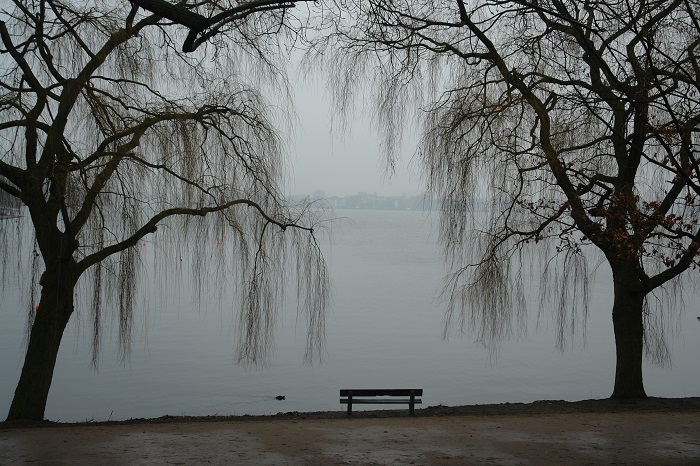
(381, 396)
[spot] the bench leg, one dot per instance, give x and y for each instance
(412, 404)
(350, 405)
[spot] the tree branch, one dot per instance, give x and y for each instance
(197, 23)
(152, 224)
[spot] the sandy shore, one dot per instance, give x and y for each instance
(653, 432)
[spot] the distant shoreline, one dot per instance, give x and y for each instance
(368, 201)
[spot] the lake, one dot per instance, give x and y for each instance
(384, 330)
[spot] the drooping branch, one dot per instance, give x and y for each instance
(18, 58)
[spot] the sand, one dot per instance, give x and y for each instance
(654, 432)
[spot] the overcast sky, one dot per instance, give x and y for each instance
(323, 158)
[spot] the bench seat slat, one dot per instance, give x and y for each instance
(376, 401)
(382, 392)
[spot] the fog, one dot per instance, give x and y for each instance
(342, 160)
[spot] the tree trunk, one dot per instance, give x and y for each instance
(55, 309)
(629, 334)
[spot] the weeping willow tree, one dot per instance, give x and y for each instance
(109, 134)
(552, 126)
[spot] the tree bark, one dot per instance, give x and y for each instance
(629, 333)
(54, 311)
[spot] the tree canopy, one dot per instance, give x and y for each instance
(564, 123)
(109, 134)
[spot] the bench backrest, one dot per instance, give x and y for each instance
(382, 392)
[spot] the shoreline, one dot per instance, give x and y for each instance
(540, 407)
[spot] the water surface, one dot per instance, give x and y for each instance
(384, 330)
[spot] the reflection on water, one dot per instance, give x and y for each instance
(384, 331)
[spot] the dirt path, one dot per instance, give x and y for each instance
(512, 438)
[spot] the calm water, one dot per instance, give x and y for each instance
(384, 330)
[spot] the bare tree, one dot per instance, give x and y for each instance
(550, 121)
(109, 133)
